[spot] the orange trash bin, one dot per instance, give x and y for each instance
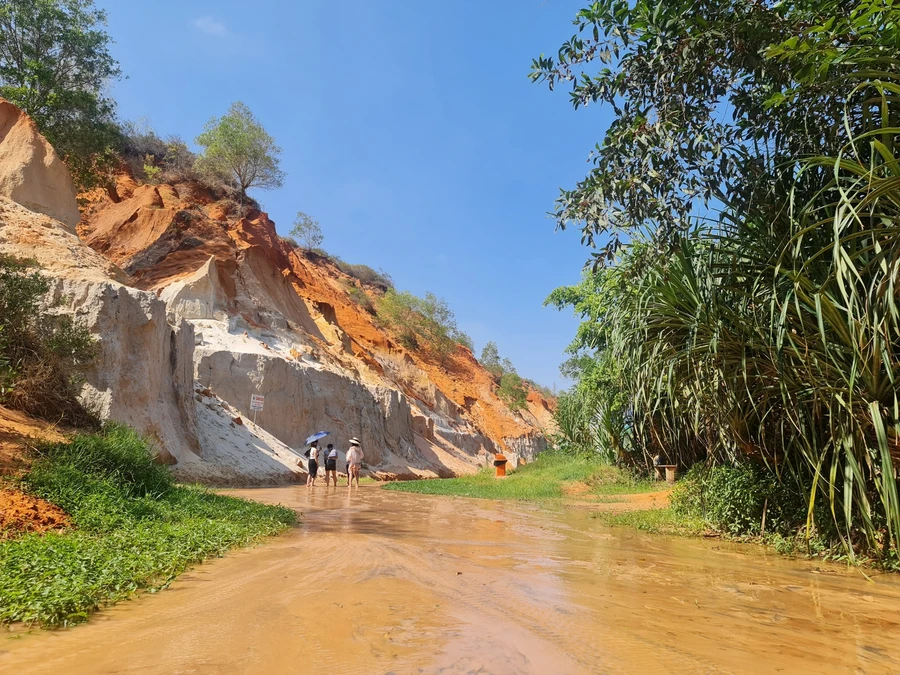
(500, 466)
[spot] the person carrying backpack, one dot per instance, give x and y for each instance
(331, 457)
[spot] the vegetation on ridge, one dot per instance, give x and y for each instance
(511, 389)
(237, 147)
(422, 322)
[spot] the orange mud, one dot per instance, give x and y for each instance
(21, 513)
(386, 582)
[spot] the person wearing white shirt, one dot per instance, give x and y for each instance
(354, 461)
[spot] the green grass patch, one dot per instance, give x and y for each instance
(135, 529)
(545, 478)
(655, 521)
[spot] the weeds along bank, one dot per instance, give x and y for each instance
(131, 529)
(762, 335)
(553, 475)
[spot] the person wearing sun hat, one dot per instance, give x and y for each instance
(354, 460)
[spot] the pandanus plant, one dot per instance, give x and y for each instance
(780, 341)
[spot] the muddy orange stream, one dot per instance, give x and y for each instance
(384, 582)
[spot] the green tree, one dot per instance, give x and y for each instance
(715, 102)
(513, 391)
(238, 148)
(307, 230)
(427, 321)
(490, 359)
(55, 64)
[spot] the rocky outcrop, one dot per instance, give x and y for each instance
(31, 173)
(197, 306)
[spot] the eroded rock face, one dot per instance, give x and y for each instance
(143, 375)
(197, 306)
(31, 173)
(301, 399)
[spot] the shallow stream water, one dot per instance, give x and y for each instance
(386, 582)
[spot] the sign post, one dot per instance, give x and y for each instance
(257, 402)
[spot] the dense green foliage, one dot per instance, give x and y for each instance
(734, 498)
(766, 331)
(511, 389)
(40, 351)
(135, 529)
(55, 64)
(422, 322)
(237, 147)
(545, 478)
(307, 230)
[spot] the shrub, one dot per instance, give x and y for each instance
(359, 296)
(733, 498)
(512, 390)
(365, 274)
(158, 160)
(427, 321)
(40, 352)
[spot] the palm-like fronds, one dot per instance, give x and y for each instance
(781, 341)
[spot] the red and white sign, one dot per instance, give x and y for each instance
(257, 402)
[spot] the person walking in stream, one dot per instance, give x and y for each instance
(354, 461)
(331, 457)
(313, 463)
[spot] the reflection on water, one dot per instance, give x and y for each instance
(383, 582)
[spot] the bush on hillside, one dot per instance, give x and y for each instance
(40, 352)
(155, 160)
(512, 391)
(365, 274)
(733, 499)
(359, 296)
(422, 322)
(512, 388)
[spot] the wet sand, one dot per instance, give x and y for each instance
(386, 582)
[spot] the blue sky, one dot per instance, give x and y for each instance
(410, 131)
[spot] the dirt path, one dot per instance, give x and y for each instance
(386, 582)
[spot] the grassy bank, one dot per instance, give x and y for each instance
(656, 521)
(553, 475)
(134, 529)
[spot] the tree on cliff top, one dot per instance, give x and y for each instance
(54, 64)
(307, 230)
(237, 146)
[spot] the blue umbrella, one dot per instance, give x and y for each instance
(315, 437)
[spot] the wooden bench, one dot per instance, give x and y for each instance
(670, 472)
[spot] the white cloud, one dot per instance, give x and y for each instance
(211, 26)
